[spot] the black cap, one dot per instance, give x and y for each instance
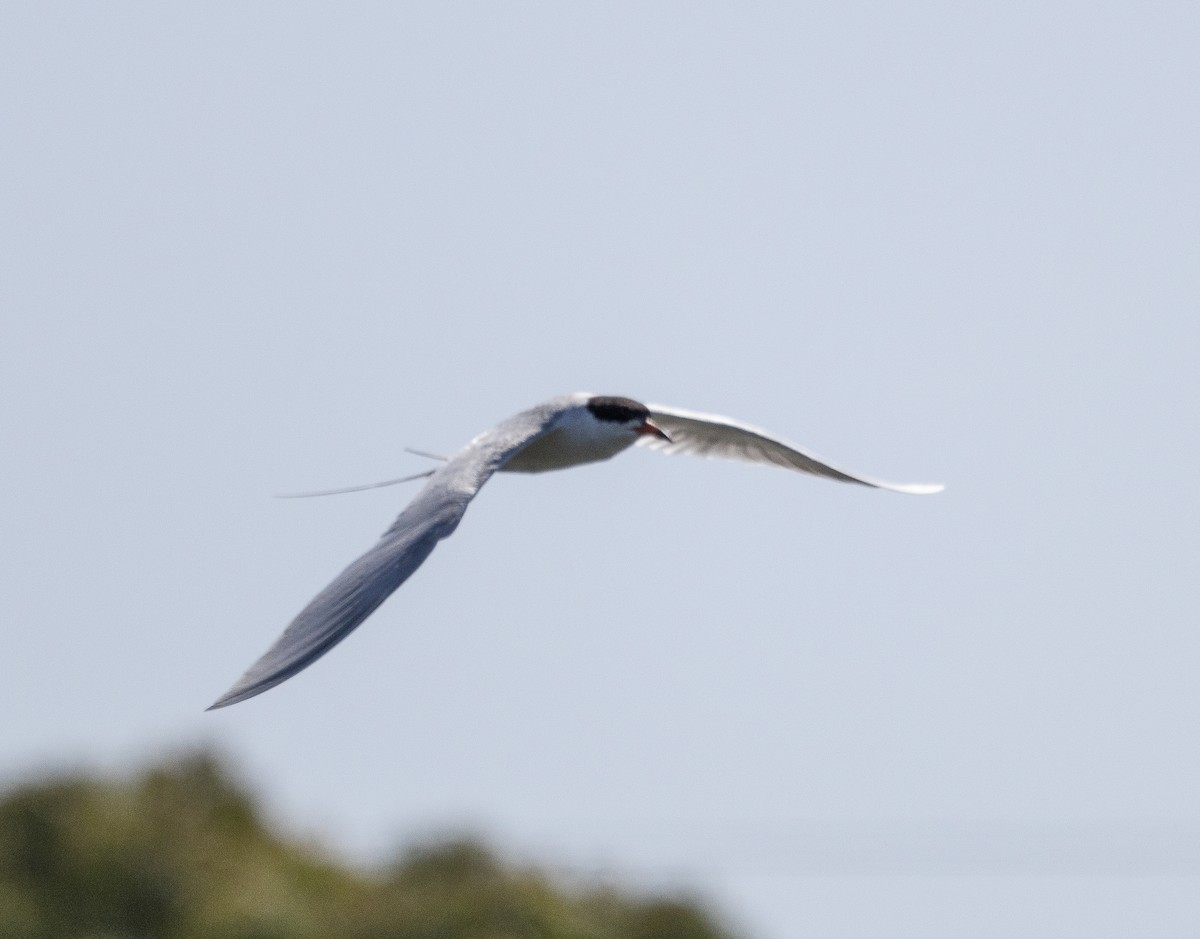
(617, 410)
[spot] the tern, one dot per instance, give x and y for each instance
(560, 433)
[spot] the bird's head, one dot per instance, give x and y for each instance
(624, 413)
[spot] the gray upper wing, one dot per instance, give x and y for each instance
(710, 435)
(358, 590)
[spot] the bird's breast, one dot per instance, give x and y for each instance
(563, 448)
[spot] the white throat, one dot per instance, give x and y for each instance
(580, 437)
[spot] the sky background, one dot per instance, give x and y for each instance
(247, 249)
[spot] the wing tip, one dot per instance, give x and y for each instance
(244, 689)
(917, 489)
(232, 696)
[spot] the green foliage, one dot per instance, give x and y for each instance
(183, 853)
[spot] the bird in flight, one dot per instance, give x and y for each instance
(562, 432)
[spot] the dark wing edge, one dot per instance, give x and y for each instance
(710, 435)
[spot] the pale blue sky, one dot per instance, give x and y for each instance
(250, 249)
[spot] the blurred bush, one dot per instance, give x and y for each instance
(183, 853)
